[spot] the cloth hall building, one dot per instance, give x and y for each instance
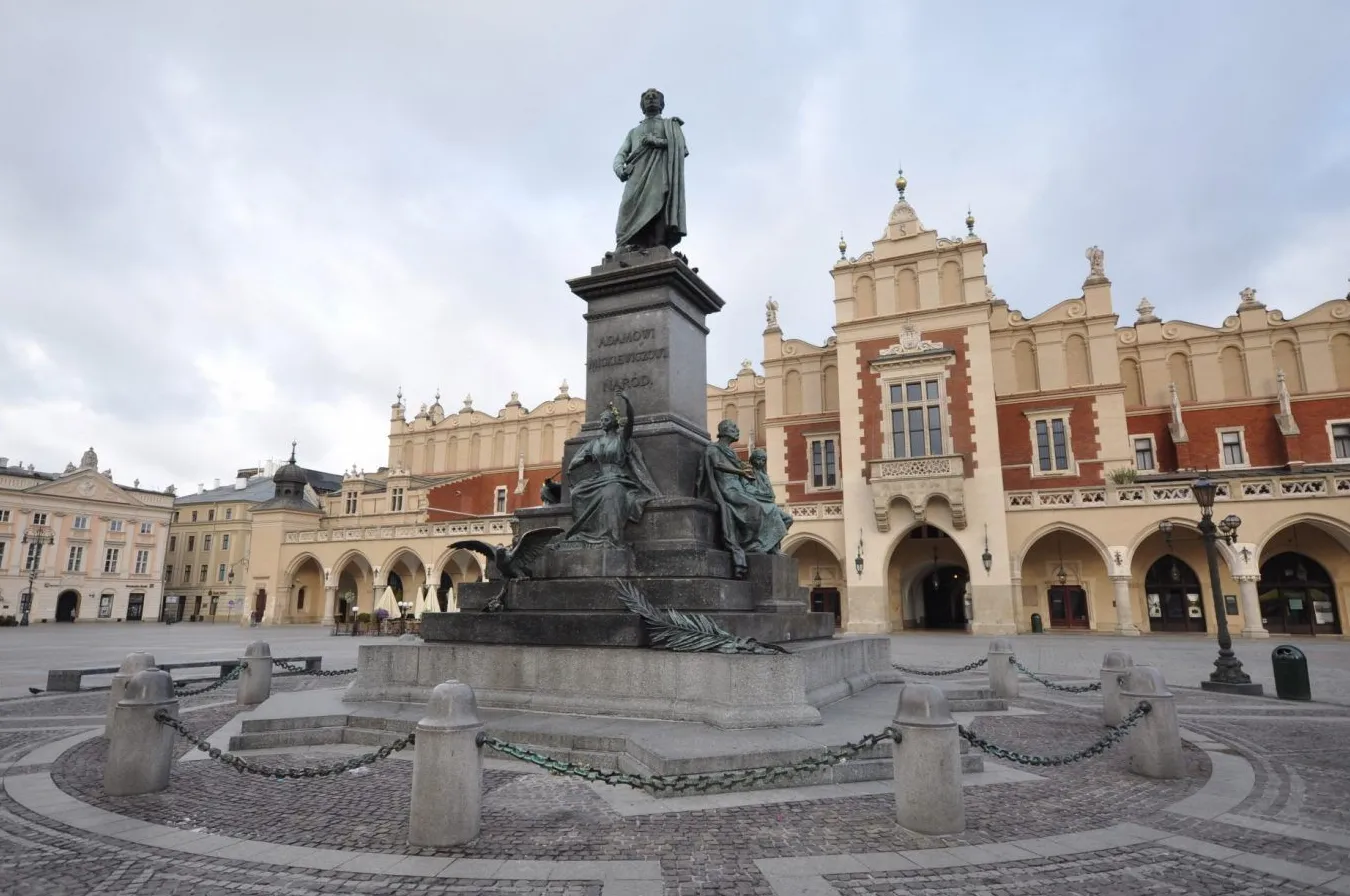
(948, 462)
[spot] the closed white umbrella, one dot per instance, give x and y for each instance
(451, 602)
(388, 602)
(420, 602)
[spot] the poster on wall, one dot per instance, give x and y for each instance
(1230, 604)
(1154, 606)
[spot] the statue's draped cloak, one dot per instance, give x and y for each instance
(656, 186)
(603, 504)
(751, 522)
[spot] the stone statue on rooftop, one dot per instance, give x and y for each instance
(651, 165)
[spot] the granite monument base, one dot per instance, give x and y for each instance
(723, 690)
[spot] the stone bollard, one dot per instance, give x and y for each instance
(447, 779)
(1003, 680)
(1155, 741)
(928, 797)
(140, 749)
(135, 662)
(255, 676)
(1115, 665)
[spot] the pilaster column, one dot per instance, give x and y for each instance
(329, 604)
(1124, 609)
(1252, 626)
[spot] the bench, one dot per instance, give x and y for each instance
(70, 680)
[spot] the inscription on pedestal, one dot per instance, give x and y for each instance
(625, 356)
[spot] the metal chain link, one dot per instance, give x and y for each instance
(243, 766)
(936, 673)
(218, 683)
(1068, 688)
(320, 673)
(1112, 737)
(701, 783)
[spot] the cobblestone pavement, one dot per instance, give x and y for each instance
(1088, 828)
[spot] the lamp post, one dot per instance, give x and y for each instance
(41, 536)
(1227, 676)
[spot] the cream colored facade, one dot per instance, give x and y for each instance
(108, 545)
(1051, 448)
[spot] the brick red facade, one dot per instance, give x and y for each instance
(798, 436)
(962, 433)
(1154, 423)
(1018, 452)
(473, 495)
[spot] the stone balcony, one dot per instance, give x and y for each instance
(1257, 487)
(495, 526)
(917, 480)
(828, 510)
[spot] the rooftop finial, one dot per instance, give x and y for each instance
(398, 398)
(292, 460)
(900, 182)
(970, 221)
(438, 394)
(843, 247)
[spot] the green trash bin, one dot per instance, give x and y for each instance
(1036, 626)
(1291, 673)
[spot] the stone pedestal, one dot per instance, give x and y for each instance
(134, 662)
(140, 749)
(1003, 680)
(255, 676)
(1154, 743)
(928, 796)
(1115, 665)
(446, 807)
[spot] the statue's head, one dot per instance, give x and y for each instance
(759, 458)
(609, 420)
(653, 101)
(728, 430)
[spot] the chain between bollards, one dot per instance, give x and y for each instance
(319, 673)
(243, 766)
(1067, 688)
(1112, 737)
(700, 783)
(218, 683)
(937, 673)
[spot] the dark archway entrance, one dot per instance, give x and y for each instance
(944, 597)
(259, 606)
(67, 606)
(1297, 596)
(443, 592)
(1175, 598)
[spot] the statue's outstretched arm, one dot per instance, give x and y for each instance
(627, 418)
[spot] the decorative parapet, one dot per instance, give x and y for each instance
(377, 533)
(917, 480)
(832, 510)
(1255, 488)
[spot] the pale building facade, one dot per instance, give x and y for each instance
(948, 462)
(95, 549)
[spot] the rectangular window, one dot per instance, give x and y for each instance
(105, 606)
(220, 573)
(1052, 445)
(351, 503)
(146, 528)
(168, 573)
(39, 519)
(202, 576)
(916, 419)
(824, 463)
(34, 559)
(1230, 444)
(173, 543)
(395, 500)
(229, 513)
(110, 558)
(135, 606)
(1143, 453)
(499, 500)
(115, 525)
(2, 555)
(187, 573)
(4, 516)
(211, 515)
(75, 561)
(194, 516)
(175, 516)
(206, 543)
(225, 542)
(192, 543)
(142, 562)
(81, 522)
(1340, 441)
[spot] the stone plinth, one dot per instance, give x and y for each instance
(724, 690)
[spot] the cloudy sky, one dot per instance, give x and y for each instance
(227, 225)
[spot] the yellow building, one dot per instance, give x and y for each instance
(948, 462)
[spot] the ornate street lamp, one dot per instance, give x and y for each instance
(1227, 676)
(41, 536)
(987, 558)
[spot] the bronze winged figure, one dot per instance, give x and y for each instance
(513, 562)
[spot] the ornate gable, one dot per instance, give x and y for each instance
(87, 485)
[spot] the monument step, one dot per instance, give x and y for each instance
(607, 629)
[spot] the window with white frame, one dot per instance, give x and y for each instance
(1145, 458)
(81, 522)
(194, 516)
(192, 543)
(1340, 440)
(142, 562)
(39, 518)
(824, 455)
(168, 574)
(229, 513)
(220, 573)
(34, 559)
(75, 560)
(351, 503)
(173, 543)
(1051, 444)
(2, 555)
(225, 542)
(211, 515)
(115, 525)
(175, 516)
(395, 500)
(111, 556)
(202, 575)
(916, 418)
(206, 542)
(1232, 451)
(4, 516)
(147, 528)
(499, 500)
(187, 573)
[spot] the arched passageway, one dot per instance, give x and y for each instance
(928, 579)
(67, 606)
(1298, 596)
(1173, 597)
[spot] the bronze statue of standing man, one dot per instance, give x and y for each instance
(651, 165)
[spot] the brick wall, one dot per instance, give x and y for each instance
(798, 460)
(1154, 423)
(875, 428)
(474, 495)
(1018, 452)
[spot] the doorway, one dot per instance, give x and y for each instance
(67, 605)
(259, 605)
(1175, 598)
(826, 600)
(1297, 596)
(944, 597)
(1069, 607)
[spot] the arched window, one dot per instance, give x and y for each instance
(1134, 386)
(792, 392)
(1286, 359)
(865, 299)
(1024, 364)
(1179, 369)
(1340, 359)
(1174, 596)
(949, 284)
(1233, 369)
(1076, 360)
(1297, 596)
(906, 290)
(829, 388)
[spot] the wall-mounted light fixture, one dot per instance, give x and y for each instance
(987, 558)
(858, 560)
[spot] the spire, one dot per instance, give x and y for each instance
(970, 221)
(843, 247)
(292, 460)
(900, 182)
(398, 397)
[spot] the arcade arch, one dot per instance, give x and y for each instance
(355, 579)
(821, 571)
(1305, 575)
(302, 591)
(927, 580)
(1065, 578)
